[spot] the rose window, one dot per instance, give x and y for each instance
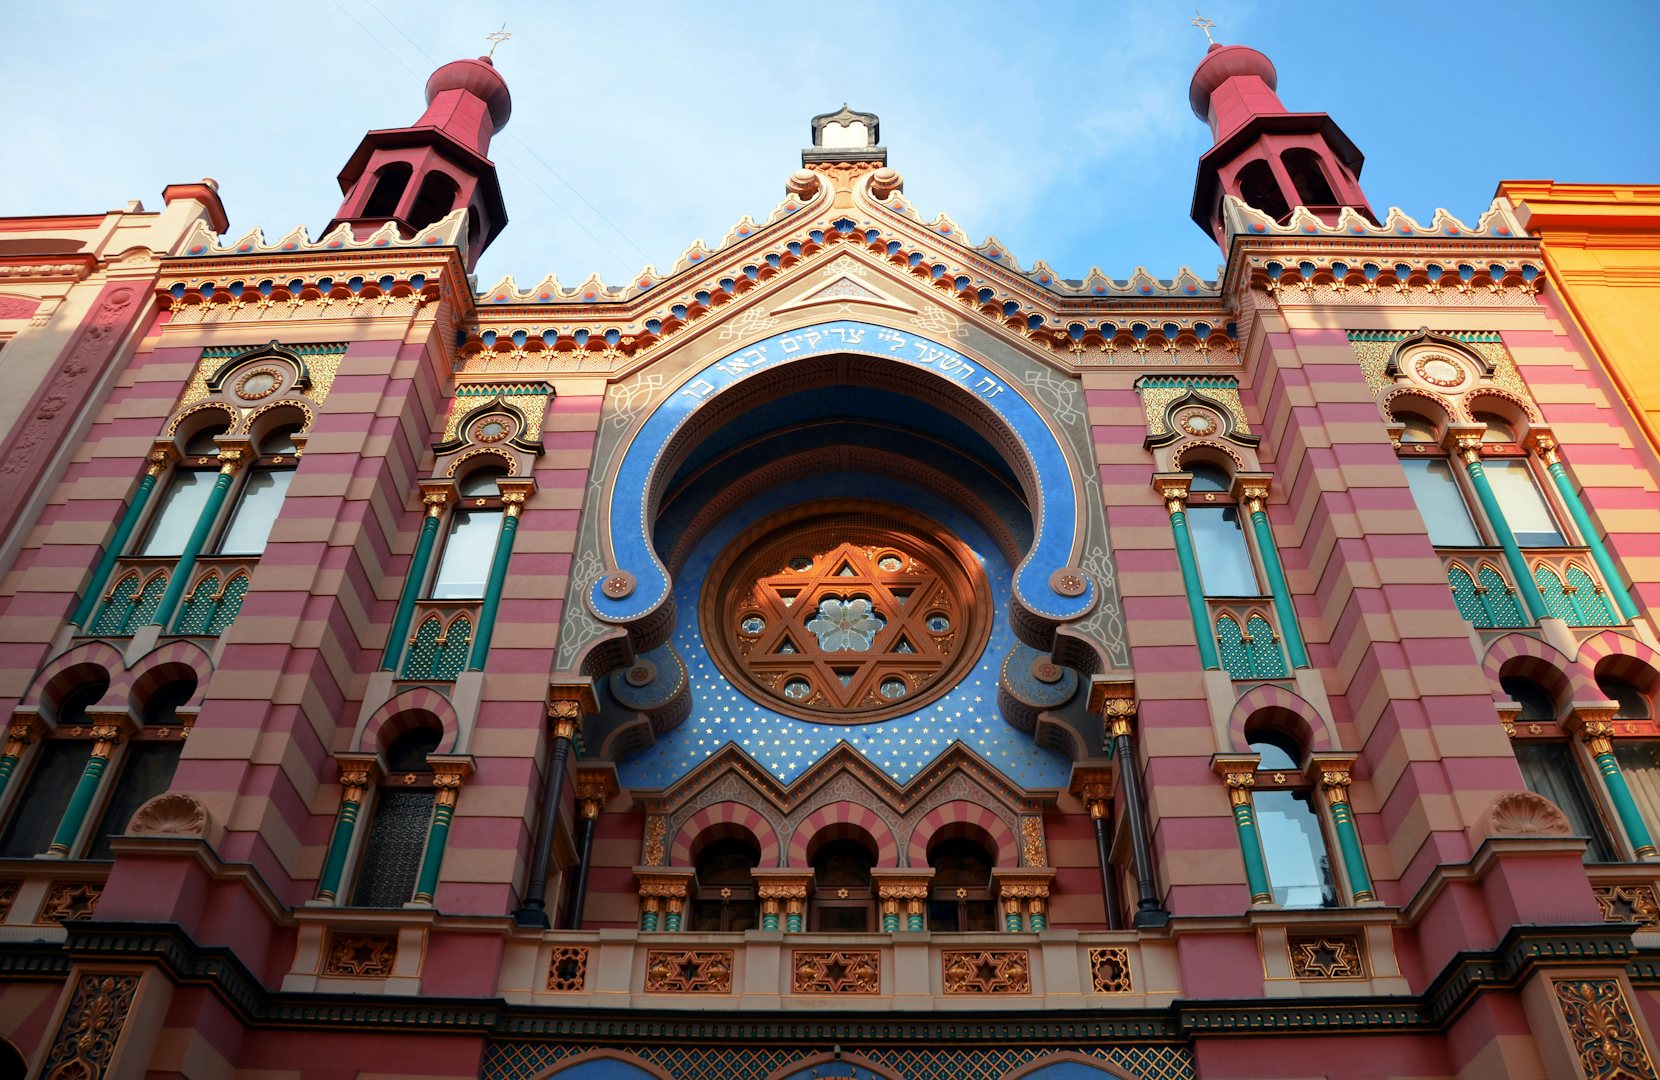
(846, 612)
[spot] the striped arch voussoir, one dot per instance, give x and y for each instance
(1284, 705)
(166, 664)
(958, 813)
(843, 818)
(414, 707)
(1620, 656)
(721, 820)
(1532, 658)
(74, 667)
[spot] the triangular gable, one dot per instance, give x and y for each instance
(848, 284)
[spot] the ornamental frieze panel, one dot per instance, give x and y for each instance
(1605, 1035)
(85, 1042)
(836, 971)
(987, 971)
(689, 971)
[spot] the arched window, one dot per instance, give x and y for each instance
(1549, 766)
(263, 491)
(1520, 500)
(13, 1065)
(147, 764)
(402, 816)
(1303, 165)
(1216, 523)
(475, 526)
(179, 510)
(842, 898)
(1634, 704)
(435, 199)
(1535, 700)
(390, 183)
(1433, 480)
(58, 763)
(961, 897)
(1293, 840)
(1261, 190)
(1639, 758)
(726, 886)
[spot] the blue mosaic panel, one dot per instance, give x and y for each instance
(787, 747)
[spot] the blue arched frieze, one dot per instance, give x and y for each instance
(1058, 515)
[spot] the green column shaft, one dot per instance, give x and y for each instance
(671, 921)
(1534, 602)
(1292, 633)
(769, 922)
(1636, 830)
(914, 921)
(792, 924)
(1011, 922)
(1582, 521)
(1195, 590)
(1256, 871)
(492, 592)
(117, 544)
(1037, 920)
(433, 860)
(1354, 860)
(8, 764)
(81, 801)
(395, 642)
(192, 551)
(648, 921)
(334, 866)
(890, 921)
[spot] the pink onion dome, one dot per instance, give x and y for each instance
(1224, 62)
(479, 78)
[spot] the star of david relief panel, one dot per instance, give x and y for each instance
(841, 518)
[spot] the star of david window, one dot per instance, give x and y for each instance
(846, 612)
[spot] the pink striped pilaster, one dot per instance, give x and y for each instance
(844, 820)
(999, 832)
(1258, 699)
(405, 710)
(721, 819)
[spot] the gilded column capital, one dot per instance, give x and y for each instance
(436, 495)
(902, 883)
(163, 453)
(1239, 772)
(1022, 884)
(1093, 787)
(1465, 442)
(594, 788)
(1251, 489)
(664, 883)
(782, 883)
(1115, 701)
(234, 454)
(1173, 488)
(1334, 773)
(1542, 442)
(515, 491)
(1593, 723)
(357, 773)
(448, 773)
(568, 703)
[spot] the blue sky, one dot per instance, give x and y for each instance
(1063, 129)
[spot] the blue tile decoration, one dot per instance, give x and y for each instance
(1055, 513)
(787, 747)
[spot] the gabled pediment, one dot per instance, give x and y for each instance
(850, 282)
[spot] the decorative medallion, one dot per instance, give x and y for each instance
(1197, 422)
(361, 956)
(1632, 902)
(1109, 971)
(257, 384)
(836, 972)
(568, 970)
(1603, 1031)
(1438, 370)
(987, 971)
(689, 971)
(1069, 581)
(70, 901)
(846, 612)
(1326, 956)
(490, 429)
(86, 1039)
(618, 584)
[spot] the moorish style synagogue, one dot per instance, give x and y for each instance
(850, 652)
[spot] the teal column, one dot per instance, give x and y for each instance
(1191, 583)
(1531, 598)
(890, 922)
(792, 922)
(1596, 736)
(1250, 844)
(1037, 920)
(671, 920)
(1582, 522)
(117, 544)
(74, 815)
(449, 786)
(915, 921)
(395, 641)
(1348, 837)
(493, 587)
(769, 920)
(198, 540)
(351, 803)
(17, 740)
(1289, 629)
(1011, 916)
(648, 921)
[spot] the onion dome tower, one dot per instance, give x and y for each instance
(1272, 159)
(416, 175)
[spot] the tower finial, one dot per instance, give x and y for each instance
(1198, 20)
(496, 37)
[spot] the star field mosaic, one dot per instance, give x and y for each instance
(786, 747)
